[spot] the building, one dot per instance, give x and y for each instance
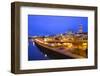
(74, 42)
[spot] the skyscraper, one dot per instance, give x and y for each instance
(80, 28)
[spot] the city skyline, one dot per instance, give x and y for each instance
(43, 25)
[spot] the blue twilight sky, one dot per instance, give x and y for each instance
(41, 25)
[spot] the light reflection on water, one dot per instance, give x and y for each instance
(34, 53)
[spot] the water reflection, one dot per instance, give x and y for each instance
(34, 53)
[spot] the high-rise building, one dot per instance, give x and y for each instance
(80, 28)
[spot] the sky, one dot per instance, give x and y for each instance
(41, 25)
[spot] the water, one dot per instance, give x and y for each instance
(34, 53)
